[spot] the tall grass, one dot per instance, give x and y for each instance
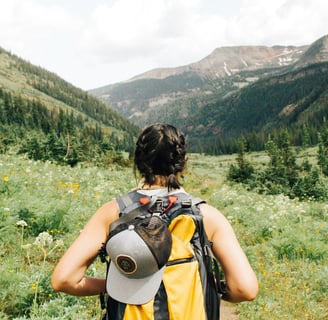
(43, 208)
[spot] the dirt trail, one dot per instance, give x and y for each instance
(227, 311)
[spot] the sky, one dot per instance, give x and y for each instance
(93, 43)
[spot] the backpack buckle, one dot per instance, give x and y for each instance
(158, 207)
(186, 203)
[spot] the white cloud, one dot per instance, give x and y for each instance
(93, 43)
(31, 21)
(42, 34)
(130, 28)
(294, 22)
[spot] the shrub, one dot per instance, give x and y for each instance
(243, 171)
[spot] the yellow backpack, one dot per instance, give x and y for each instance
(191, 286)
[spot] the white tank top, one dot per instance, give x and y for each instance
(160, 192)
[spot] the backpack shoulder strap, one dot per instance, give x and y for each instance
(185, 204)
(196, 201)
(127, 200)
(130, 207)
(210, 260)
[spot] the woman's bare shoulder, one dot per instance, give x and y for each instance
(109, 207)
(108, 212)
(210, 211)
(214, 220)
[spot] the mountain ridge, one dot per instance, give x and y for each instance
(237, 56)
(221, 72)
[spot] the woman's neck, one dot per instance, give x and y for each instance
(159, 183)
(152, 187)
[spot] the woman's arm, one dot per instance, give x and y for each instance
(69, 274)
(240, 278)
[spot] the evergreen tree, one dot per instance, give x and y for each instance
(243, 171)
(33, 149)
(288, 158)
(323, 149)
(306, 165)
(282, 172)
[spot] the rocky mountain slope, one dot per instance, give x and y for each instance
(225, 70)
(228, 61)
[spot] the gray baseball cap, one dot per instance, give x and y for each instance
(138, 253)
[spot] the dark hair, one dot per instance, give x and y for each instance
(160, 151)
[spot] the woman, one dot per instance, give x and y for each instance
(160, 158)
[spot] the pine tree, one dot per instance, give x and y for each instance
(323, 149)
(243, 171)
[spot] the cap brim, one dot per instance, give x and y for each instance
(132, 291)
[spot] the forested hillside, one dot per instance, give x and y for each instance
(295, 100)
(49, 119)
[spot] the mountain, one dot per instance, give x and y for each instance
(225, 70)
(40, 113)
(248, 90)
(317, 52)
(227, 61)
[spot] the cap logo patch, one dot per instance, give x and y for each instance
(126, 264)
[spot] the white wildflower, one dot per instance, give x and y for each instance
(59, 243)
(21, 223)
(43, 239)
(26, 246)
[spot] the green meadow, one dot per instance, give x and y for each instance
(44, 207)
